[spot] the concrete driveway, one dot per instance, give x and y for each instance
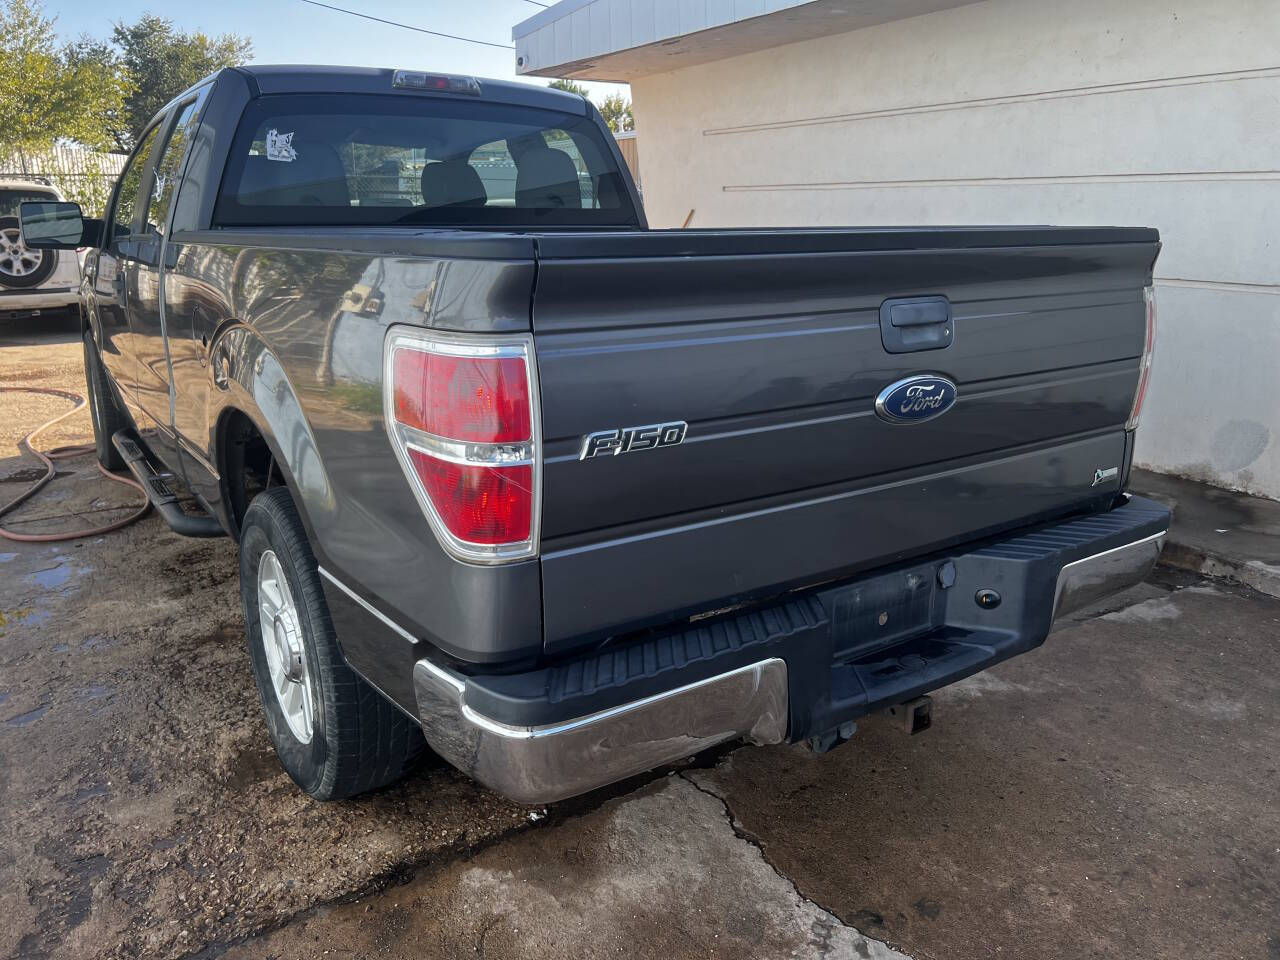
(1113, 794)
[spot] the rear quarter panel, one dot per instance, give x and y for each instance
(291, 332)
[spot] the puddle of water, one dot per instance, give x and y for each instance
(6, 557)
(61, 647)
(4, 698)
(51, 578)
(28, 718)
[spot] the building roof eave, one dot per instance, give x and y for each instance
(621, 40)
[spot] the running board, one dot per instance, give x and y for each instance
(158, 491)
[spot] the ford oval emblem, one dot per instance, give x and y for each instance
(916, 399)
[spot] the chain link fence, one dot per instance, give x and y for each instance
(83, 176)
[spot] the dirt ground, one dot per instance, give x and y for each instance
(1113, 794)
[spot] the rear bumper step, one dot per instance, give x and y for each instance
(158, 491)
(798, 668)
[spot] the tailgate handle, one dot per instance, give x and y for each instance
(916, 323)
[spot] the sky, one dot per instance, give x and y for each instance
(290, 31)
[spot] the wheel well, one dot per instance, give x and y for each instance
(247, 464)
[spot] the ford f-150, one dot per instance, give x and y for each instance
(568, 498)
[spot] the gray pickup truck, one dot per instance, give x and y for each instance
(567, 498)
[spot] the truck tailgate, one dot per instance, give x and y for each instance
(769, 345)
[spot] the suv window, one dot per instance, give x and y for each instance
(168, 167)
(376, 159)
(126, 206)
(11, 200)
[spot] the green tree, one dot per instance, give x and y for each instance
(616, 110)
(568, 86)
(48, 92)
(160, 62)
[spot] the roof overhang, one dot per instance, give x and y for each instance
(620, 40)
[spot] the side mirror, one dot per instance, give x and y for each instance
(54, 225)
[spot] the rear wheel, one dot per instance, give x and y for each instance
(107, 416)
(21, 268)
(335, 735)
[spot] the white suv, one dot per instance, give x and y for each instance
(32, 281)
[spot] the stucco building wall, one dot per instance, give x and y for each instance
(1141, 112)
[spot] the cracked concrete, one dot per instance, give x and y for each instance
(1113, 794)
(660, 873)
(826, 922)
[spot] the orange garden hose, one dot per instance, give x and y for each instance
(27, 445)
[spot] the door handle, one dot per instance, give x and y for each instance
(916, 323)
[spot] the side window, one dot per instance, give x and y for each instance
(497, 170)
(169, 166)
(499, 163)
(382, 176)
(122, 215)
(558, 178)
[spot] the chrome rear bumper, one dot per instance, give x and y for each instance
(547, 763)
(1090, 579)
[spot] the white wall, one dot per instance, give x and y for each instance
(1133, 112)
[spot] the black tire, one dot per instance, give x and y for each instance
(45, 260)
(107, 415)
(359, 741)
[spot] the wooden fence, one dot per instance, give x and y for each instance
(83, 176)
(630, 148)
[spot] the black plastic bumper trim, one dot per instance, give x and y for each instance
(851, 647)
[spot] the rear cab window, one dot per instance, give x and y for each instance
(305, 160)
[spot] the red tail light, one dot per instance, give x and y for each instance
(1144, 369)
(462, 415)
(473, 399)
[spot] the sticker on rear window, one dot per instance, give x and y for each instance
(280, 147)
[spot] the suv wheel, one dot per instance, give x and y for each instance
(335, 735)
(20, 267)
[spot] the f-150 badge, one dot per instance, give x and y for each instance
(916, 399)
(610, 443)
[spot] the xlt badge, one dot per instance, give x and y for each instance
(610, 443)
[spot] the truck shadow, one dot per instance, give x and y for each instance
(53, 326)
